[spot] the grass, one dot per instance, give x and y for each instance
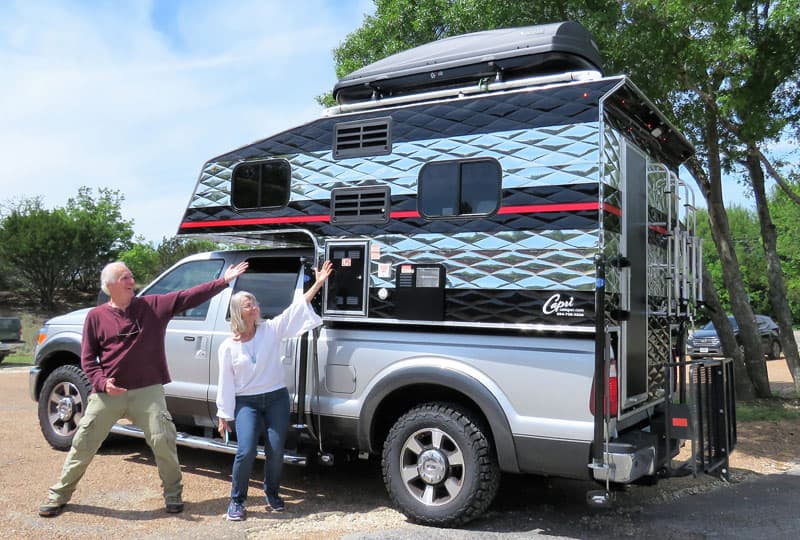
(18, 359)
(768, 410)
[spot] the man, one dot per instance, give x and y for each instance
(123, 356)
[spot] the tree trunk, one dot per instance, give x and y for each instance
(777, 285)
(731, 273)
(743, 384)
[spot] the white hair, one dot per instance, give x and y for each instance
(111, 273)
(237, 323)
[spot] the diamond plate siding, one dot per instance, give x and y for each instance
(554, 155)
(548, 260)
(659, 352)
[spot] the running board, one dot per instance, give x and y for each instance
(192, 441)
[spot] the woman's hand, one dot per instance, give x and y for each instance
(321, 276)
(223, 427)
(234, 271)
(323, 273)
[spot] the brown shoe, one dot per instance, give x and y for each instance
(51, 509)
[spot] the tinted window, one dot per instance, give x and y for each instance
(272, 282)
(459, 188)
(185, 276)
(259, 185)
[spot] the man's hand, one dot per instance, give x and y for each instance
(235, 271)
(112, 389)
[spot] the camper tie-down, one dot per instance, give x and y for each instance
(515, 270)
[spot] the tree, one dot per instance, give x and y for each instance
(58, 250)
(102, 234)
(747, 243)
(142, 260)
(147, 262)
(37, 242)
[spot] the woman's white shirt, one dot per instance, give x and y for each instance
(254, 367)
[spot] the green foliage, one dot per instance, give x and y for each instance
(142, 260)
(39, 244)
(746, 237)
(53, 251)
(102, 234)
(786, 218)
(146, 262)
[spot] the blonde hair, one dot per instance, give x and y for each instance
(237, 323)
(111, 273)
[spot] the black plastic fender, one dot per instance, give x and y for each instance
(471, 388)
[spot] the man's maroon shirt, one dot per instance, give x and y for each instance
(128, 345)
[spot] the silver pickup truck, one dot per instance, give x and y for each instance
(452, 410)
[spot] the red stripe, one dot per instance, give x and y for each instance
(564, 207)
(253, 221)
(405, 214)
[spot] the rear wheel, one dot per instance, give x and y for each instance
(439, 466)
(62, 404)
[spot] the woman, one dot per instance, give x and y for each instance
(251, 389)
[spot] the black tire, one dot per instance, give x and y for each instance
(775, 350)
(62, 404)
(451, 472)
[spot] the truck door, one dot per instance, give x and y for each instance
(188, 340)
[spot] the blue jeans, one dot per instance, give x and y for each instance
(253, 415)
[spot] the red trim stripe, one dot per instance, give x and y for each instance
(406, 214)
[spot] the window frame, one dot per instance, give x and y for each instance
(459, 180)
(258, 164)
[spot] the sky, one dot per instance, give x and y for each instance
(136, 95)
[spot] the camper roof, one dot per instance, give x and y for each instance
(496, 54)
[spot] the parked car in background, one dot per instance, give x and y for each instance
(705, 341)
(10, 336)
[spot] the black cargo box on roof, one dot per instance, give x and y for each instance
(506, 53)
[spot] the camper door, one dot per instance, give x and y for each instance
(634, 330)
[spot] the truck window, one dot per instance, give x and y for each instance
(272, 281)
(261, 185)
(459, 188)
(185, 276)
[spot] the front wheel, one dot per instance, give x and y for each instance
(439, 466)
(62, 404)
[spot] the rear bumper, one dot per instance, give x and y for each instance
(628, 459)
(624, 467)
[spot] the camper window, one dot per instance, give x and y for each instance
(459, 188)
(260, 185)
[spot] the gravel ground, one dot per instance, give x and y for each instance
(120, 495)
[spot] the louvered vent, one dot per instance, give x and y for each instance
(360, 205)
(363, 138)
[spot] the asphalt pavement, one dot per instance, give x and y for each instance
(764, 507)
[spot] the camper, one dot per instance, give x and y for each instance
(515, 270)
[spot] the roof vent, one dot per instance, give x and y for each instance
(360, 205)
(371, 137)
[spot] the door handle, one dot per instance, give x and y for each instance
(188, 338)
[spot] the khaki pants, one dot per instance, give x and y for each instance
(147, 409)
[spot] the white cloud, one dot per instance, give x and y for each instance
(106, 94)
